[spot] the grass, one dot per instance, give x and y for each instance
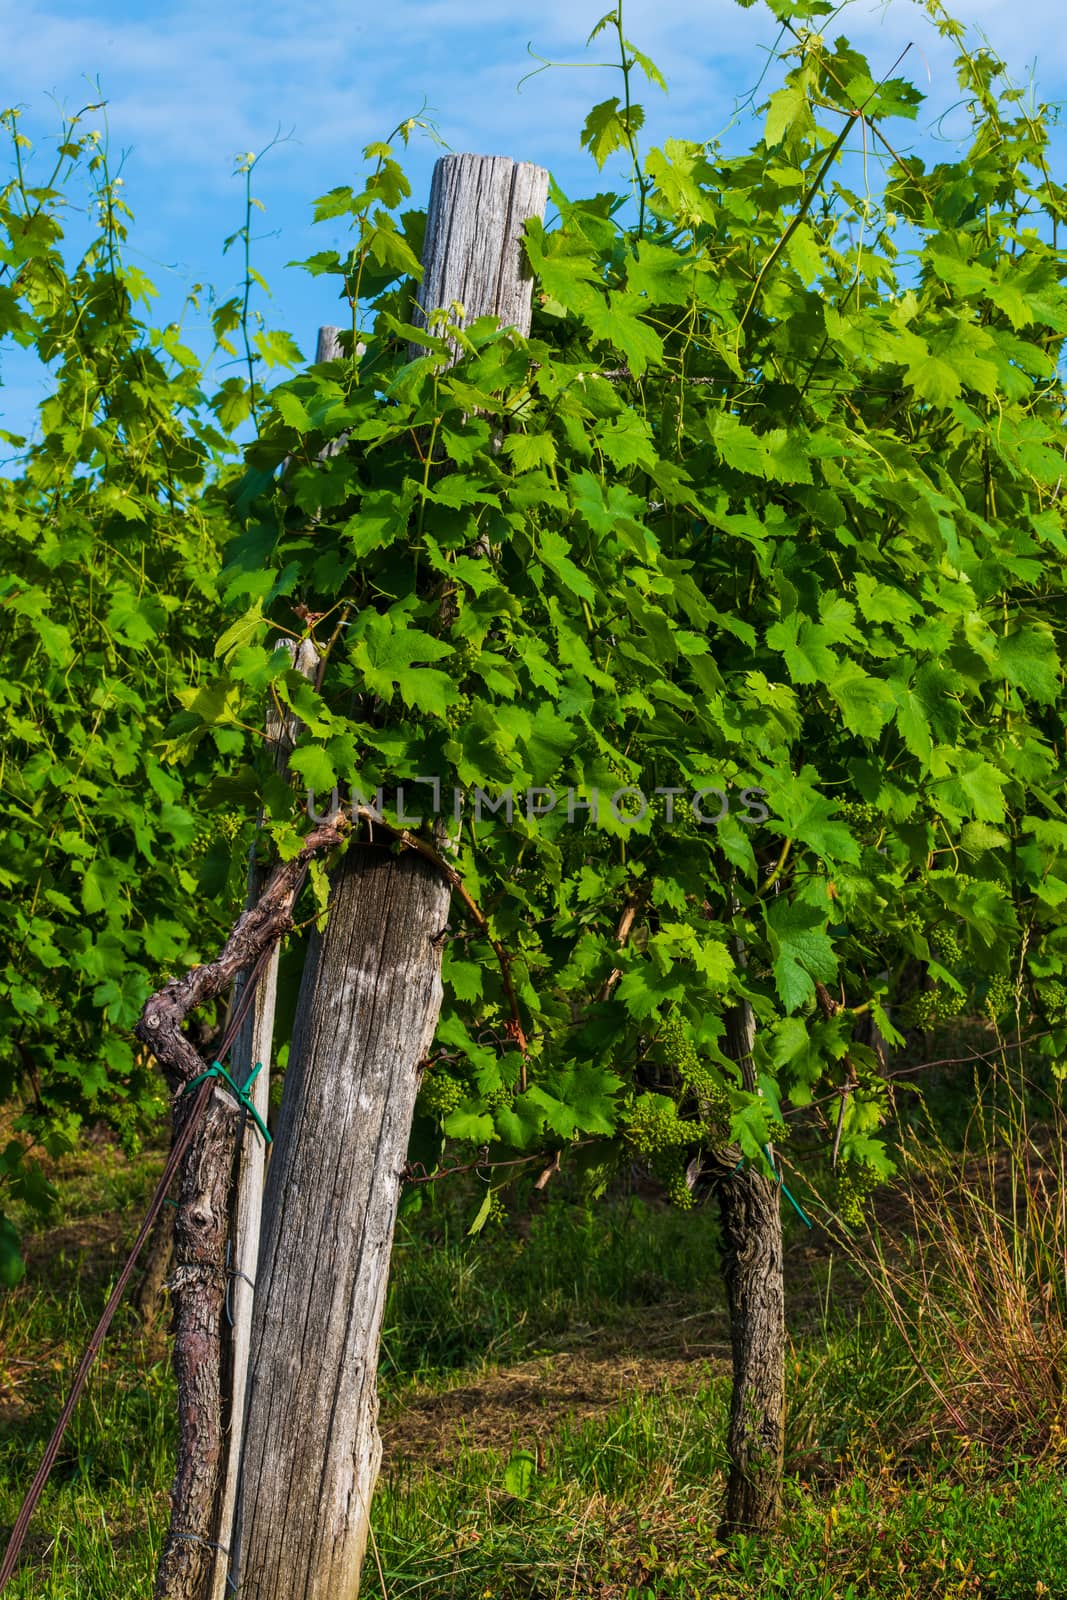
(458, 1537)
(555, 1394)
(455, 1302)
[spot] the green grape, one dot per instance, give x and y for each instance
(458, 713)
(923, 1008)
(670, 1170)
(201, 842)
(439, 1094)
(1053, 996)
(861, 815)
(853, 1183)
(950, 1004)
(946, 946)
(696, 1078)
(226, 825)
(631, 805)
(654, 1126)
(234, 824)
(661, 1137)
(936, 1005)
(1000, 996)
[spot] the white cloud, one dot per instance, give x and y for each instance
(191, 83)
(195, 83)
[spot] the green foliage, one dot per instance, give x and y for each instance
(110, 551)
(767, 505)
(755, 546)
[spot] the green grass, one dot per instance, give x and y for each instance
(459, 1536)
(623, 1505)
(100, 1522)
(455, 1302)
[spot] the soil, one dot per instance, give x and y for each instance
(663, 1350)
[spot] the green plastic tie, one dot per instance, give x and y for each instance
(217, 1070)
(801, 1213)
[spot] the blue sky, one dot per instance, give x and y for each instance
(191, 84)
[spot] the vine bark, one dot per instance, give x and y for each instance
(750, 1213)
(198, 1282)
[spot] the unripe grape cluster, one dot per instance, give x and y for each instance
(439, 1094)
(853, 1183)
(458, 713)
(200, 842)
(680, 1054)
(654, 1126)
(860, 816)
(936, 1005)
(624, 776)
(672, 1175)
(660, 1137)
(946, 946)
(221, 825)
(1053, 996)
(230, 824)
(1000, 996)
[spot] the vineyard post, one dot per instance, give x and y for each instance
(366, 1016)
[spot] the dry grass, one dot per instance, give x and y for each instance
(969, 1260)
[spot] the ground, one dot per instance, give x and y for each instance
(553, 1417)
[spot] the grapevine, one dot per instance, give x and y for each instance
(935, 1005)
(458, 714)
(946, 946)
(1000, 996)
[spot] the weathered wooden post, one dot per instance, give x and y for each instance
(328, 345)
(367, 1013)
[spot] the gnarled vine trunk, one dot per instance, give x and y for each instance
(752, 1266)
(750, 1211)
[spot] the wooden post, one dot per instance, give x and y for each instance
(328, 346)
(253, 1044)
(366, 1019)
(368, 1009)
(472, 256)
